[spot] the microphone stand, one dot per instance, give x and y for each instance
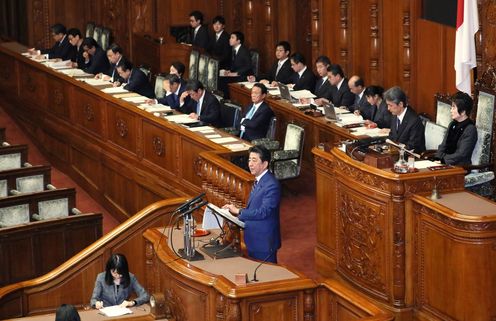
(256, 269)
(188, 252)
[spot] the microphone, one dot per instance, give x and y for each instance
(370, 141)
(192, 209)
(256, 269)
(190, 203)
(403, 147)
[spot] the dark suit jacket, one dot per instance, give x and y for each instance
(169, 99)
(138, 83)
(363, 106)
(257, 126)
(209, 112)
(381, 116)
(464, 147)
(285, 75)
(323, 90)
(62, 50)
(112, 71)
(342, 96)
(410, 133)
(98, 62)
(241, 62)
(261, 216)
(306, 81)
(221, 50)
(202, 38)
(77, 56)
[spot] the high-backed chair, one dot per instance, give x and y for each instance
(159, 86)
(255, 61)
(286, 163)
(193, 64)
(147, 71)
(443, 110)
(434, 135)
(269, 141)
(105, 38)
(90, 28)
(481, 172)
(212, 74)
(97, 35)
(203, 69)
(231, 115)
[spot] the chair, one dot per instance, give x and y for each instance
(97, 35)
(481, 173)
(269, 141)
(90, 29)
(255, 62)
(443, 110)
(286, 163)
(203, 69)
(212, 74)
(193, 64)
(231, 116)
(434, 135)
(105, 39)
(147, 71)
(159, 86)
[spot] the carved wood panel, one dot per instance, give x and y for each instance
(122, 128)
(88, 112)
(159, 146)
(58, 101)
(33, 86)
(8, 75)
(284, 309)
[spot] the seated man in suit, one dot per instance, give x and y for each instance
(115, 57)
(406, 125)
(62, 49)
(135, 79)
(256, 121)
(303, 77)
(200, 104)
(199, 33)
(281, 70)
(340, 93)
(460, 138)
(357, 87)
(219, 44)
(95, 60)
(174, 88)
(262, 234)
(76, 40)
(323, 87)
(240, 66)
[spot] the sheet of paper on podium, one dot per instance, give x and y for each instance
(225, 214)
(115, 311)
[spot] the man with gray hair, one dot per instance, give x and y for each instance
(406, 126)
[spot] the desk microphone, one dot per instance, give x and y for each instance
(256, 269)
(190, 203)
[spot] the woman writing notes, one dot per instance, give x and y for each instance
(114, 286)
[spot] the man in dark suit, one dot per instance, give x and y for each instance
(219, 44)
(357, 87)
(281, 70)
(199, 33)
(115, 58)
(256, 121)
(174, 87)
(303, 77)
(95, 61)
(62, 49)
(340, 93)
(76, 40)
(406, 126)
(240, 66)
(262, 234)
(200, 104)
(323, 87)
(135, 79)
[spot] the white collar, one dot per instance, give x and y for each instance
(281, 62)
(198, 28)
(340, 83)
(402, 115)
(236, 48)
(259, 177)
(302, 71)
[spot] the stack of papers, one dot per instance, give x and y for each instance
(66, 64)
(425, 164)
(115, 311)
(247, 84)
(135, 99)
(224, 140)
(155, 108)
(114, 90)
(181, 119)
(237, 147)
(202, 129)
(299, 94)
(372, 132)
(347, 119)
(95, 82)
(74, 72)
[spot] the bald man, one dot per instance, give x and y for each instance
(357, 87)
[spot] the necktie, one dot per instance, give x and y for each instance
(254, 185)
(198, 108)
(374, 110)
(233, 55)
(248, 116)
(279, 65)
(398, 123)
(175, 99)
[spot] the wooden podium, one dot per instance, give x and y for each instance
(159, 51)
(363, 233)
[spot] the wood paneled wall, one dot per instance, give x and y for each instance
(384, 41)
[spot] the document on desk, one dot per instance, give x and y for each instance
(74, 72)
(115, 90)
(95, 82)
(372, 132)
(225, 214)
(66, 64)
(247, 84)
(425, 164)
(155, 108)
(202, 129)
(347, 119)
(224, 140)
(181, 119)
(274, 92)
(237, 147)
(115, 311)
(136, 99)
(299, 94)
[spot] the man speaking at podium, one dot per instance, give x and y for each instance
(262, 234)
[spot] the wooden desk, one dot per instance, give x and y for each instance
(124, 157)
(317, 129)
(455, 262)
(205, 291)
(363, 234)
